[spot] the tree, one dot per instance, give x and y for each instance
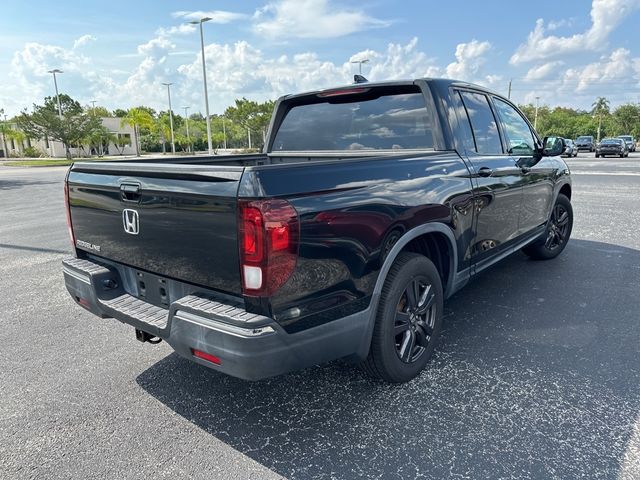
(45, 122)
(600, 109)
(252, 116)
(138, 117)
(98, 138)
(68, 105)
(121, 141)
(99, 111)
(119, 113)
(627, 119)
(17, 136)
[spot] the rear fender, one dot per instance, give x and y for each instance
(453, 281)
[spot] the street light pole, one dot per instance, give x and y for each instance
(535, 120)
(186, 119)
(55, 83)
(204, 79)
(4, 134)
(173, 142)
(360, 62)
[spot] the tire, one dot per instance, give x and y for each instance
(622, 155)
(557, 234)
(403, 342)
(597, 156)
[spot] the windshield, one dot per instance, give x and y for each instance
(612, 141)
(396, 120)
(585, 138)
(626, 138)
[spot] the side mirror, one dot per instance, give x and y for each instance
(553, 146)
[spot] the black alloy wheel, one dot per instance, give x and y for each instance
(558, 228)
(408, 320)
(557, 233)
(415, 319)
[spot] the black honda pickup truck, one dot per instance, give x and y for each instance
(370, 205)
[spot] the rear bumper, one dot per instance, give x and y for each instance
(249, 346)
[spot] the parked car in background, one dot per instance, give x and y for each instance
(631, 143)
(570, 149)
(585, 142)
(612, 146)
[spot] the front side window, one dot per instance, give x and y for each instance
(395, 120)
(483, 123)
(519, 137)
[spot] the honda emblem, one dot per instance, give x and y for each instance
(131, 221)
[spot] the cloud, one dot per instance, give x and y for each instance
(243, 69)
(83, 40)
(615, 76)
(233, 70)
(216, 16)
(469, 60)
(543, 71)
(310, 19)
(182, 29)
(616, 71)
(606, 15)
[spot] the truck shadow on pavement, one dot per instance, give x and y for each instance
(536, 376)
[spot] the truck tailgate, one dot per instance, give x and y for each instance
(177, 221)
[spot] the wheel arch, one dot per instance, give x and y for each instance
(565, 190)
(407, 242)
(433, 228)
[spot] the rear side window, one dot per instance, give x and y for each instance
(483, 123)
(394, 120)
(463, 120)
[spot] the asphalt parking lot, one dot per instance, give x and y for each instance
(537, 374)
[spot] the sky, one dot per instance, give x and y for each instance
(119, 53)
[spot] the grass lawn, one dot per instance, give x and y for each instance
(38, 163)
(51, 162)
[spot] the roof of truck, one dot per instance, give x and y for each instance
(439, 82)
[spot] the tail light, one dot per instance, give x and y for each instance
(68, 211)
(269, 232)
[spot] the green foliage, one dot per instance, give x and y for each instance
(98, 111)
(600, 106)
(252, 116)
(68, 105)
(71, 129)
(33, 152)
(627, 120)
(142, 121)
(99, 138)
(570, 123)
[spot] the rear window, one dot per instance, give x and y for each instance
(376, 119)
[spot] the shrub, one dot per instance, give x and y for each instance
(32, 152)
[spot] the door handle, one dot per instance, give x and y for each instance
(485, 172)
(130, 192)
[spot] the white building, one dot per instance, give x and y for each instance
(125, 134)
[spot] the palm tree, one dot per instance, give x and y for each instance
(137, 117)
(600, 108)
